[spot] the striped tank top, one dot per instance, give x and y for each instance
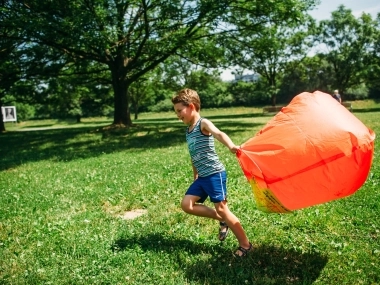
(202, 151)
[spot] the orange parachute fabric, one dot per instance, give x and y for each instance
(313, 151)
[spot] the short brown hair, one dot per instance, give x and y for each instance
(186, 97)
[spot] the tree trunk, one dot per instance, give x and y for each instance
(136, 108)
(273, 89)
(122, 115)
(2, 125)
(273, 99)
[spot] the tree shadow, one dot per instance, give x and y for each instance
(265, 265)
(69, 144)
(38, 126)
(65, 124)
(366, 110)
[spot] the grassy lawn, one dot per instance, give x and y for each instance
(64, 188)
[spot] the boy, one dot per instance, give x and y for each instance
(209, 173)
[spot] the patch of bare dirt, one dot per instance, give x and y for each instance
(119, 212)
(130, 215)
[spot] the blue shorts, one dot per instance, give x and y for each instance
(213, 186)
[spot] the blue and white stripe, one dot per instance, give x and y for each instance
(202, 151)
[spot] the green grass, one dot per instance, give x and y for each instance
(366, 105)
(64, 185)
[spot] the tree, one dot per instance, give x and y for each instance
(248, 93)
(210, 88)
(309, 74)
(78, 90)
(348, 42)
(269, 51)
(178, 73)
(21, 65)
(372, 74)
(132, 37)
(140, 92)
(9, 67)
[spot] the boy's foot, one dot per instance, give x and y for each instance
(243, 252)
(223, 231)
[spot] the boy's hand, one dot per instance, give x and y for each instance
(235, 148)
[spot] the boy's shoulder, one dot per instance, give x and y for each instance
(206, 121)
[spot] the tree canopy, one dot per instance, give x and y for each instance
(348, 42)
(99, 57)
(132, 37)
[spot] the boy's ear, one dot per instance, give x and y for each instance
(192, 106)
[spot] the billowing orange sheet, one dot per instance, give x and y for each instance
(313, 151)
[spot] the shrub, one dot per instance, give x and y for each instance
(162, 106)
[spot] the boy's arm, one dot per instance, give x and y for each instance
(208, 126)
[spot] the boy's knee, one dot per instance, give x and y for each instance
(221, 209)
(186, 207)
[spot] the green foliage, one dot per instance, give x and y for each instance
(112, 57)
(249, 93)
(177, 74)
(309, 74)
(348, 41)
(359, 93)
(210, 88)
(65, 187)
(25, 111)
(66, 96)
(162, 106)
(129, 39)
(269, 50)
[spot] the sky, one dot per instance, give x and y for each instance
(323, 12)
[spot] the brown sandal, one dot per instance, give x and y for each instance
(243, 250)
(223, 234)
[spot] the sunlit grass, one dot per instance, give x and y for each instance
(365, 104)
(56, 124)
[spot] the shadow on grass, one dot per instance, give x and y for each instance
(366, 110)
(38, 126)
(265, 265)
(84, 142)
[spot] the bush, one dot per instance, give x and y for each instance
(162, 106)
(358, 93)
(25, 111)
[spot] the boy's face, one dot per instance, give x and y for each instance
(184, 113)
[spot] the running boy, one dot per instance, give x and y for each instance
(209, 173)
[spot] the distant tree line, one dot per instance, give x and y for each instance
(121, 57)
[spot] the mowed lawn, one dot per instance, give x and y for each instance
(65, 190)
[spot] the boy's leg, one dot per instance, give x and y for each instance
(190, 206)
(233, 223)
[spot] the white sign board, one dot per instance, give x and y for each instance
(9, 114)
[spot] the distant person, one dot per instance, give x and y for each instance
(9, 114)
(336, 96)
(209, 173)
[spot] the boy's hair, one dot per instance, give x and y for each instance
(186, 97)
